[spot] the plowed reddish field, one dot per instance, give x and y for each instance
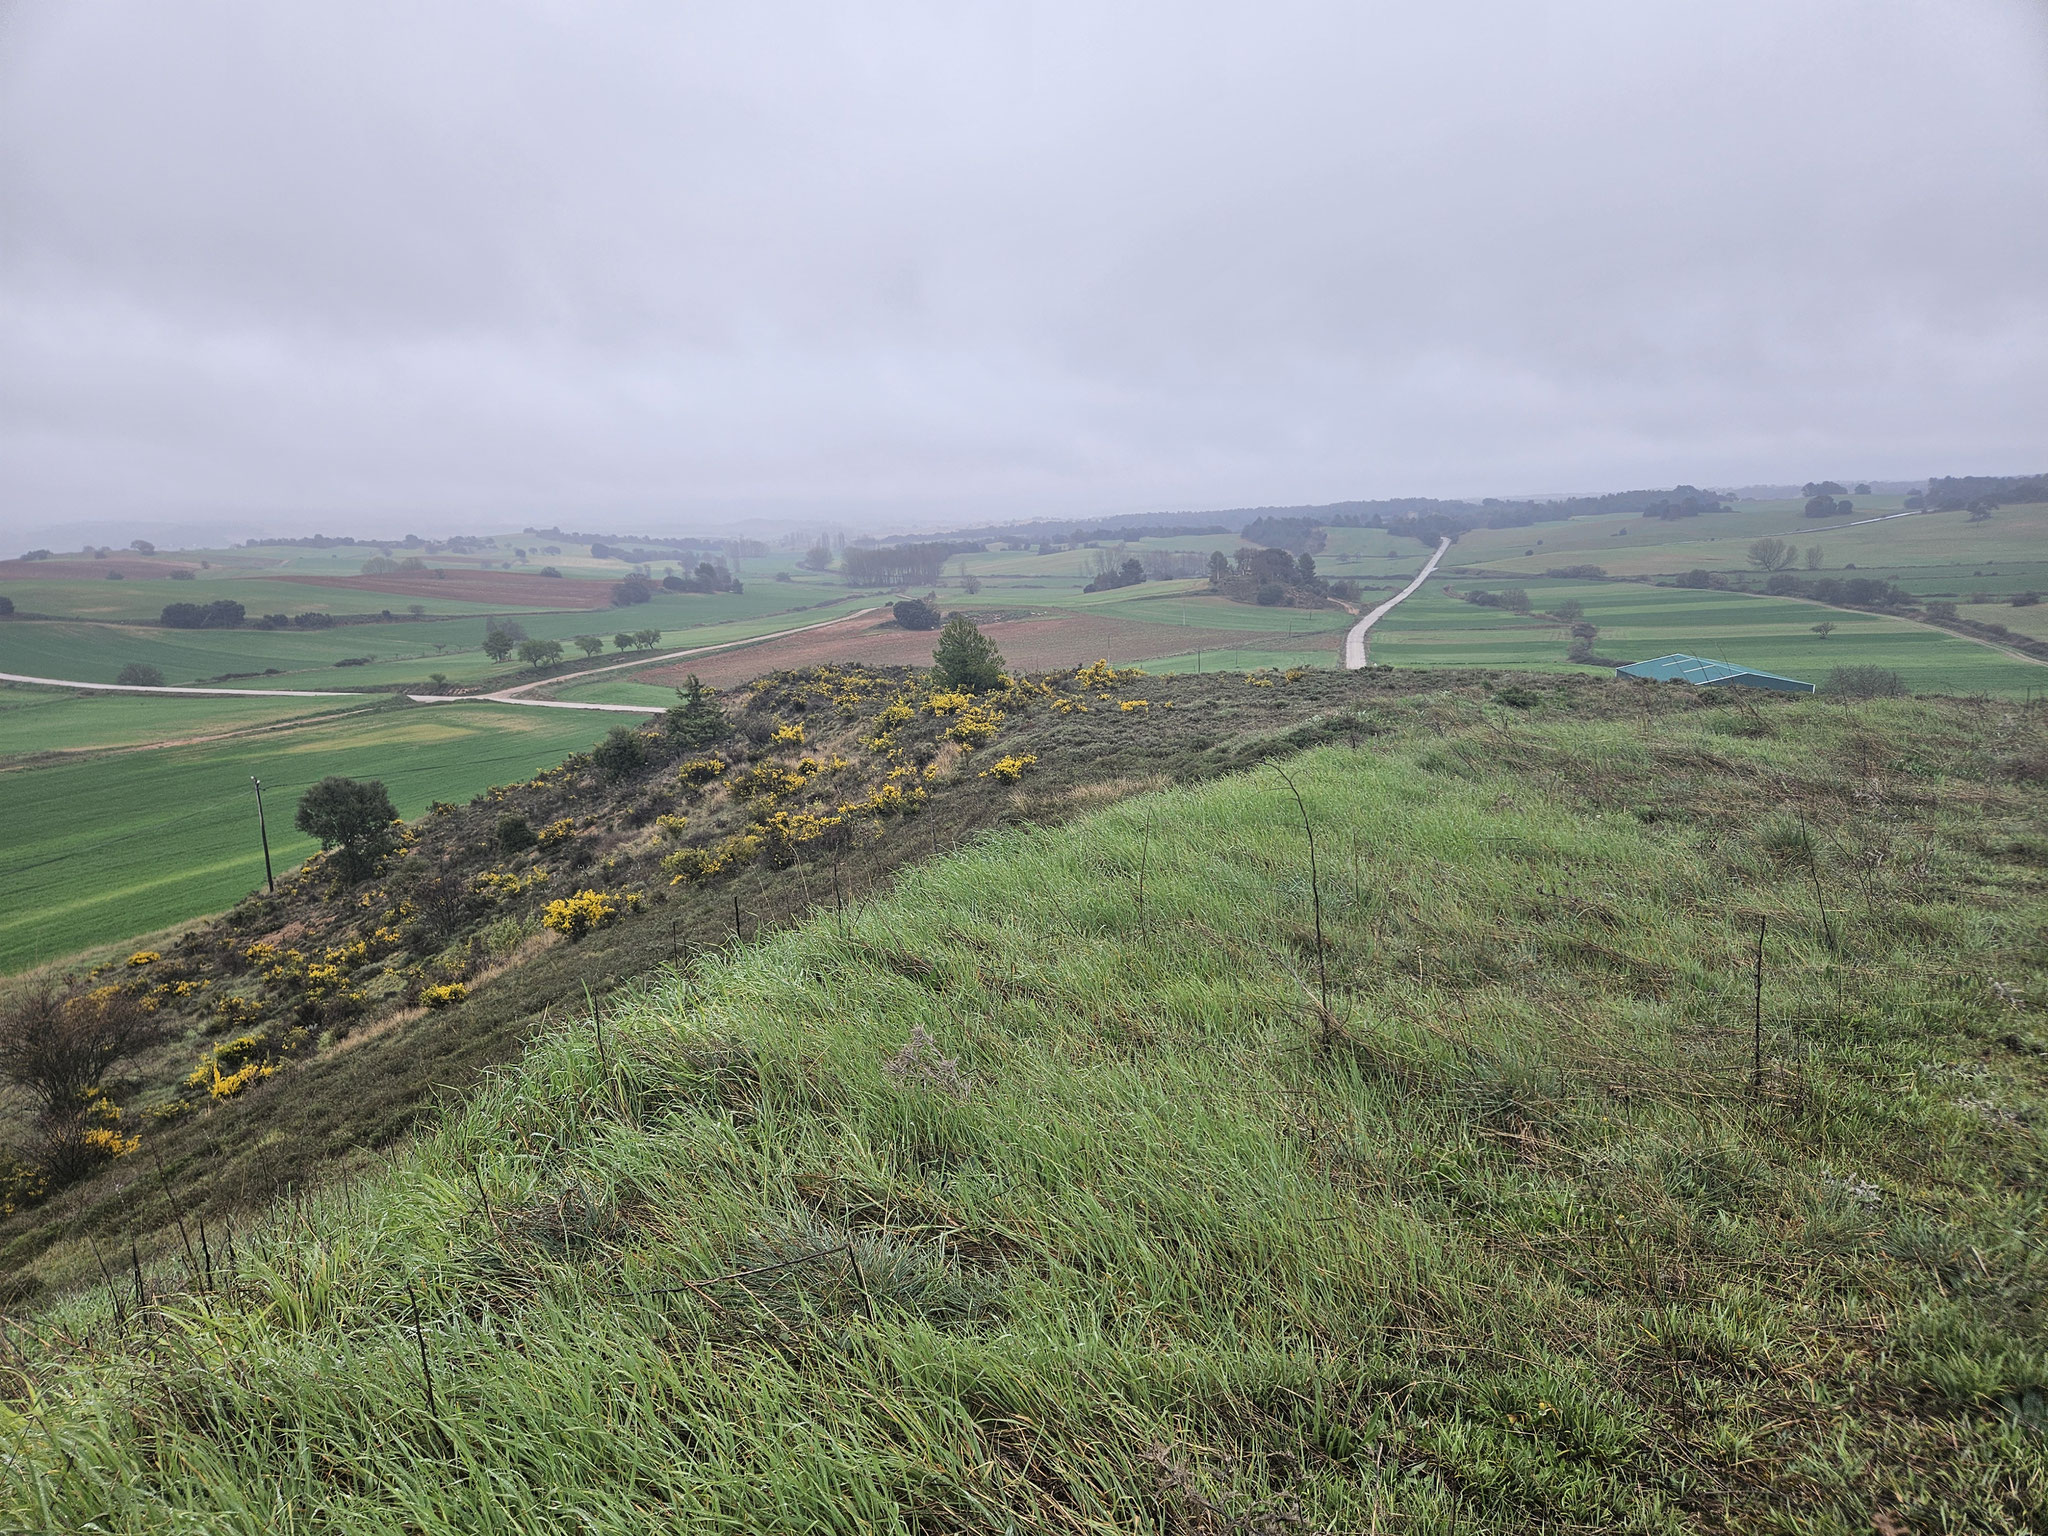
(1032, 645)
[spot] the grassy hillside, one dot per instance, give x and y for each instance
(1045, 1192)
(348, 1057)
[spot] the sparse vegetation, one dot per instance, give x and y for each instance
(1863, 683)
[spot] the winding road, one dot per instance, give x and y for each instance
(1354, 639)
(512, 695)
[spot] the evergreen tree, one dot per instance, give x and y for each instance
(966, 658)
(697, 721)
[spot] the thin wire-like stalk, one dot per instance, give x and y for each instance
(1314, 886)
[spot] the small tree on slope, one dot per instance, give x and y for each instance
(354, 818)
(966, 658)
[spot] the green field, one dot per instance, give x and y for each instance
(405, 652)
(181, 806)
(34, 720)
(1638, 622)
(103, 846)
(1946, 542)
(138, 600)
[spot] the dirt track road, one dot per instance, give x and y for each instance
(1354, 639)
(512, 695)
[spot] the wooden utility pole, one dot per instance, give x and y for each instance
(263, 829)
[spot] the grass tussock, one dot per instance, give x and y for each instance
(1005, 1203)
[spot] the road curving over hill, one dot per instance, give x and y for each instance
(1354, 639)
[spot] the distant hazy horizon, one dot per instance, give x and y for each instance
(382, 268)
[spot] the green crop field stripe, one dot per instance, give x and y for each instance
(138, 832)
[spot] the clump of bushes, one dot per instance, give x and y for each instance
(574, 916)
(232, 1066)
(515, 834)
(1863, 682)
(700, 770)
(1010, 769)
(58, 1050)
(1513, 599)
(916, 613)
(622, 753)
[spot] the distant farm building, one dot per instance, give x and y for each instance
(1710, 674)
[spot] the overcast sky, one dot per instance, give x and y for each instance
(438, 265)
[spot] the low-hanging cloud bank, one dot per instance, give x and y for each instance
(413, 265)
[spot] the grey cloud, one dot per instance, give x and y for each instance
(468, 264)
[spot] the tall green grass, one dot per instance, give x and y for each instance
(1006, 1203)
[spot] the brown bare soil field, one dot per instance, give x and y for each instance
(513, 588)
(1033, 645)
(133, 566)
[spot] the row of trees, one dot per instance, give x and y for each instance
(505, 637)
(901, 565)
(1773, 554)
(222, 613)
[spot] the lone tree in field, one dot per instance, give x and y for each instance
(1824, 628)
(140, 674)
(57, 1050)
(966, 658)
(695, 721)
(354, 818)
(1772, 554)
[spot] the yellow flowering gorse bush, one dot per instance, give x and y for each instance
(1010, 769)
(574, 916)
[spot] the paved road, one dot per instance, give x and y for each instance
(512, 695)
(1354, 641)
